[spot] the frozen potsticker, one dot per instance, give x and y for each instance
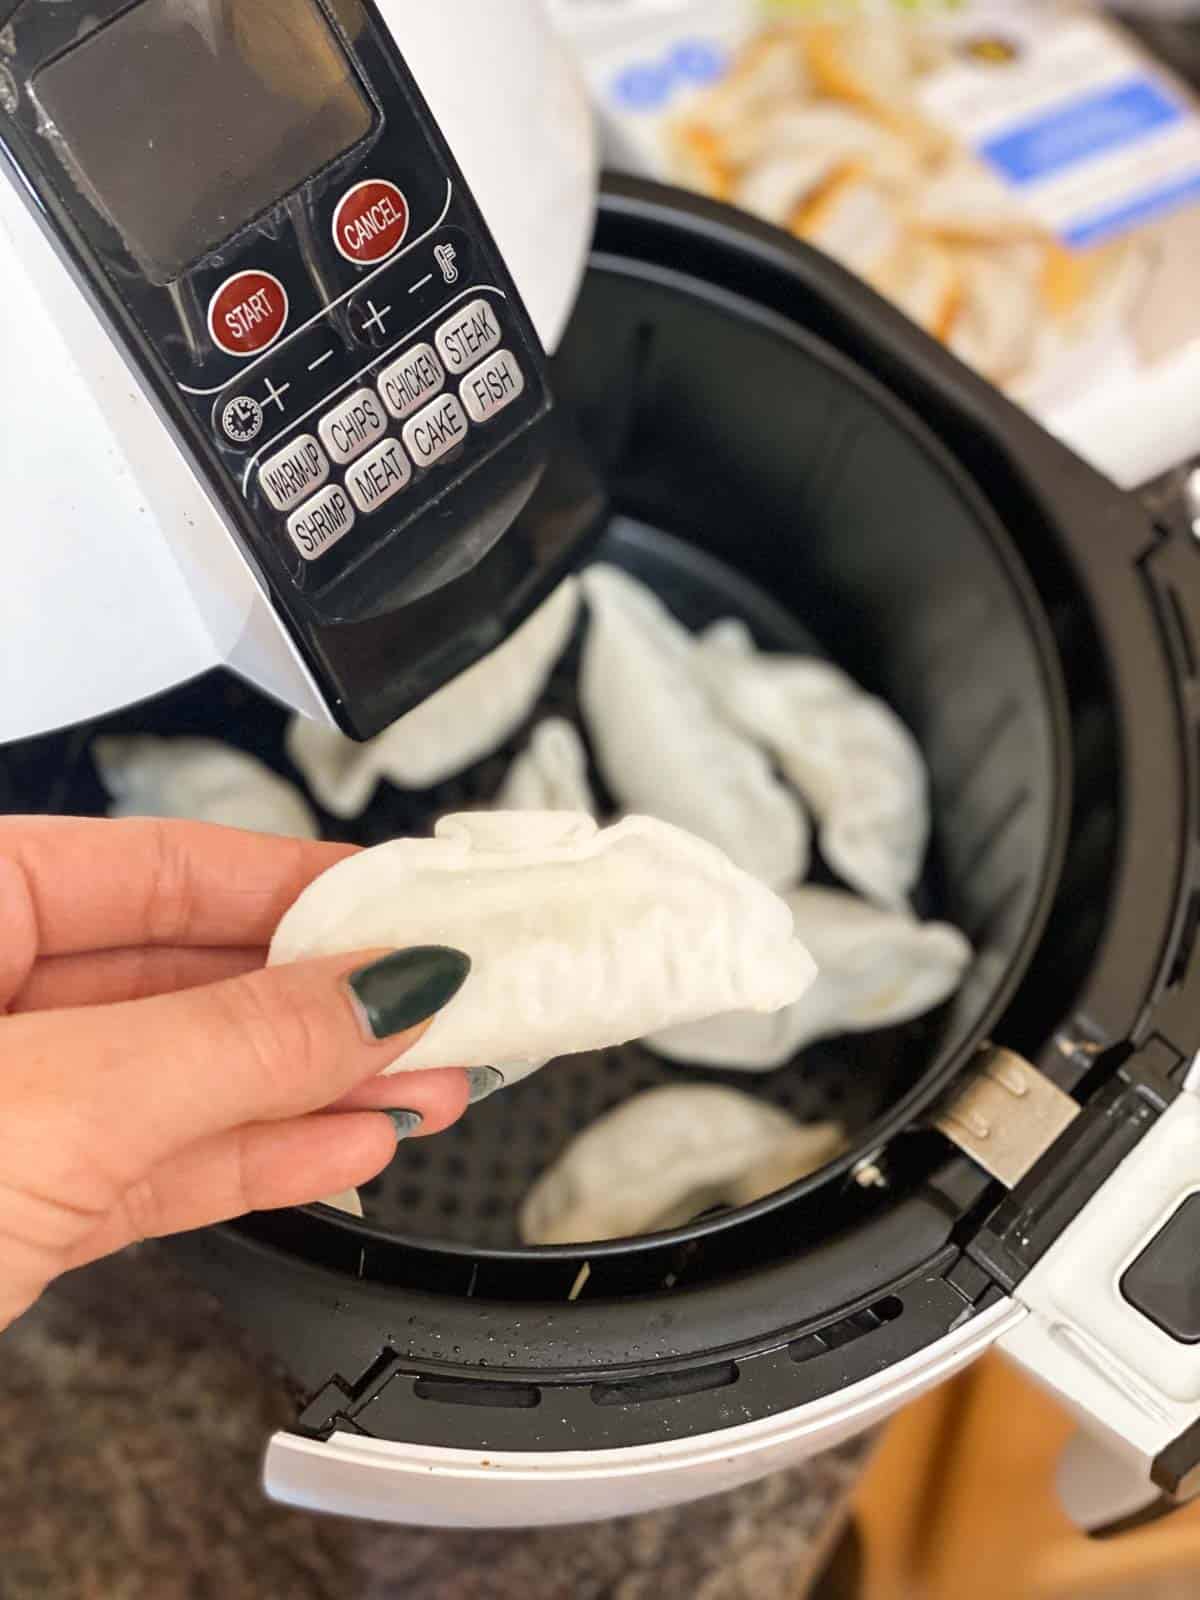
(550, 774)
(853, 760)
(201, 780)
(875, 969)
(579, 938)
(456, 727)
(661, 746)
(662, 1158)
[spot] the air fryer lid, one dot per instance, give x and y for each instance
(780, 446)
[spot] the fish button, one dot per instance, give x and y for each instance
(353, 426)
(434, 432)
(494, 384)
(470, 334)
(321, 522)
(380, 474)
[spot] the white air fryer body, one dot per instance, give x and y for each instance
(122, 578)
(1132, 1386)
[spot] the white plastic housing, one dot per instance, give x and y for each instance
(1111, 1365)
(121, 578)
(1068, 1325)
(421, 1486)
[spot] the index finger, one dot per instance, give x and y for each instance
(89, 883)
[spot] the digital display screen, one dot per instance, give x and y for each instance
(183, 120)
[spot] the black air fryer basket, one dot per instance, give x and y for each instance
(782, 446)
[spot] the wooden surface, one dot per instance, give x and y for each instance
(959, 1501)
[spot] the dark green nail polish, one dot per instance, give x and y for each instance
(407, 987)
(483, 1081)
(405, 1123)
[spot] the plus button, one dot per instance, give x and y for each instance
(274, 396)
(376, 319)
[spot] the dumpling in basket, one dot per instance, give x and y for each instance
(662, 1158)
(578, 938)
(201, 780)
(850, 756)
(550, 774)
(454, 728)
(661, 745)
(875, 969)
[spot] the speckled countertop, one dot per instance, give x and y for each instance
(132, 1419)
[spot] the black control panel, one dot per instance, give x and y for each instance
(258, 196)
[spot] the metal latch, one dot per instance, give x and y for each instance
(1006, 1116)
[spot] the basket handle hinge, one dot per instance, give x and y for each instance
(1006, 1116)
(1113, 1297)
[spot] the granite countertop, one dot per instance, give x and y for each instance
(132, 1421)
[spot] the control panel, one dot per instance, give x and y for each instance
(344, 427)
(259, 200)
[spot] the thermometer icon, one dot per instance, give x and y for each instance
(445, 255)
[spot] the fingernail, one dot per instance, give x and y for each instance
(405, 1123)
(407, 987)
(483, 1081)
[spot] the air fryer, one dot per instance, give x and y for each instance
(780, 446)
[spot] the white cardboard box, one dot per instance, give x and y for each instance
(1023, 179)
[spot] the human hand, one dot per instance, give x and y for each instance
(154, 1076)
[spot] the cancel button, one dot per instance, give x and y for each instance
(437, 430)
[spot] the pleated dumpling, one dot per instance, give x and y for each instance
(996, 328)
(874, 969)
(849, 755)
(661, 745)
(578, 938)
(454, 728)
(550, 774)
(200, 780)
(662, 1158)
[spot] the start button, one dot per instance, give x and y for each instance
(248, 312)
(370, 222)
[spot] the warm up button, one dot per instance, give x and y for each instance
(321, 522)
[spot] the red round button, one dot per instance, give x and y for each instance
(248, 312)
(370, 222)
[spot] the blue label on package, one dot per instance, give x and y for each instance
(653, 85)
(1082, 131)
(1144, 208)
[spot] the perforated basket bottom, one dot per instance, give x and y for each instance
(466, 1185)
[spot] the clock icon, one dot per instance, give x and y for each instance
(242, 419)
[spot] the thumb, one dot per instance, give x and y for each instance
(275, 1043)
